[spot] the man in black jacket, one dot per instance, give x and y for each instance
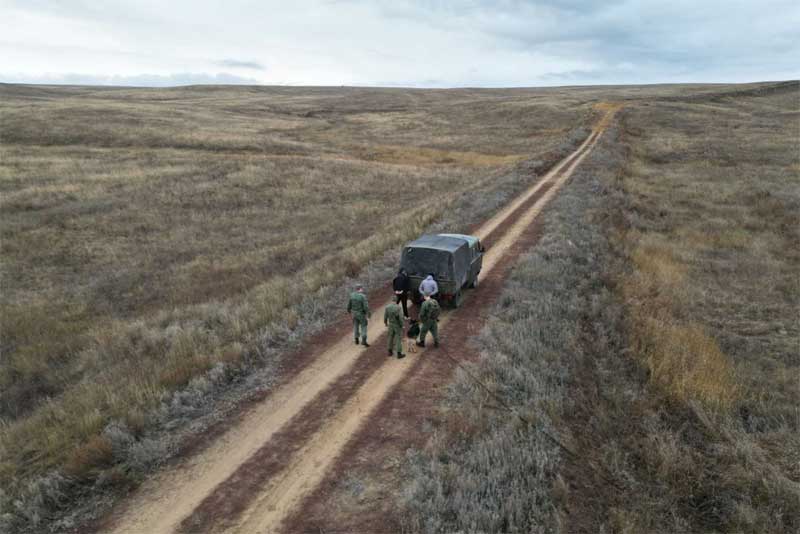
(401, 286)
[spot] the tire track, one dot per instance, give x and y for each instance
(234, 495)
(285, 492)
(174, 496)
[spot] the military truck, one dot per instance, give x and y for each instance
(455, 260)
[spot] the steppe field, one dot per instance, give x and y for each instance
(173, 260)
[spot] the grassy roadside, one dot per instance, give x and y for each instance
(485, 469)
(709, 231)
(145, 378)
(135, 292)
(653, 331)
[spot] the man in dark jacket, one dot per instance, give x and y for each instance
(402, 286)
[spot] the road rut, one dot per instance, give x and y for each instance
(168, 501)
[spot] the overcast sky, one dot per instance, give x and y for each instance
(417, 43)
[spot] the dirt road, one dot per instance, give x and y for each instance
(257, 472)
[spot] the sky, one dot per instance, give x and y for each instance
(480, 43)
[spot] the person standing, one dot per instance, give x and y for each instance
(394, 322)
(429, 287)
(358, 308)
(429, 319)
(402, 286)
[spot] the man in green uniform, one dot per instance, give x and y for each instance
(429, 318)
(358, 307)
(393, 319)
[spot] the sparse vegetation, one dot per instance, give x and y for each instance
(653, 332)
(159, 246)
(712, 233)
(487, 469)
(715, 244)
(143, 267)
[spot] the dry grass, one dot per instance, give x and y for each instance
(715, 234)
(680, 355)
(653, 332)
(484, 469)
(151, 236)
(155, 241)
(711, 235)
(429, 156)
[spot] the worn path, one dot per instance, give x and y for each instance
(255, 474)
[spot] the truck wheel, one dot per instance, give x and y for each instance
(474, 283)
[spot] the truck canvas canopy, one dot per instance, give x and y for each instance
(471, 239)
(447, 257)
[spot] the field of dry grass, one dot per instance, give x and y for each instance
(151, 236)
(651, 342)
(494, 463)
(715, 200)
(712, 234)
(157, 242)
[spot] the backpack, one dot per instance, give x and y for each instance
(434, 310)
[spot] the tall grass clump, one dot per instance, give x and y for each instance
(679, 354)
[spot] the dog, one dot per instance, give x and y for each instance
(412, 334)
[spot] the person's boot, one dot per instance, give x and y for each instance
(364, 342)
(390, 352)
(436, 344)
(356, 341)
(400, 356)
(421, 344)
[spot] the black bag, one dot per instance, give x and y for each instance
(413, 329)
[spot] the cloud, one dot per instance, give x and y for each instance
(416, 43)
(137, 80)
(237, 64)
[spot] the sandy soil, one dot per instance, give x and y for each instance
(257, 472)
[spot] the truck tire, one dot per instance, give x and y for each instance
(474, 283)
